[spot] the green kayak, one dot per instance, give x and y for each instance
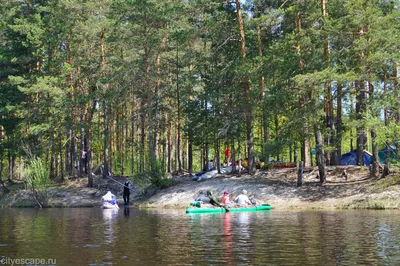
(243, 209)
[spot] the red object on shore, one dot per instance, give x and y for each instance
(227, 153)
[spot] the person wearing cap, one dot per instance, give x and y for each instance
(243, 199)
(214, 201)
(225, 199)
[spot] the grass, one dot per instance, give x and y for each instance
(385, 183)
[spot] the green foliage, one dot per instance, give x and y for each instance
(36, 175)
(155, 176)
(37, 179)
(176, 64)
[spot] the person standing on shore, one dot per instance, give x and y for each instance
(128, 185)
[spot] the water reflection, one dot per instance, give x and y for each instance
(109, 217)
(126, 212)
(137, 237)
(227, 239)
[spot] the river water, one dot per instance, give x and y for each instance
(91, 236)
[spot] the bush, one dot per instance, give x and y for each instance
(156, 177)
(36, 175)
(37, 179)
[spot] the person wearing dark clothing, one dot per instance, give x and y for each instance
(215, 202)
(127, 190)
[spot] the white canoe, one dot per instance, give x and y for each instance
(107, 205)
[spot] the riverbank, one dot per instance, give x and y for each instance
(276, 187)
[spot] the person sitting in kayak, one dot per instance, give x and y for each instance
(109, 197)
(226, 201)
(213, 200)
(242, 199)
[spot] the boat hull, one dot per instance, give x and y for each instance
(216, 210)
(107, 205)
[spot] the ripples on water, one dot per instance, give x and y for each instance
(141, 237)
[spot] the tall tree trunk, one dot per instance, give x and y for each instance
(178, 143)
(375, 151)
(190, 152)
(352, 113)
(10, 174)
(277, 134)
(246, 91)
(262, 80)
(83, 152)
(339, 122)
(217, 155)
(132, 137)
(105, 132)
(53, 156)
(110, 136)
(74, 153)
(124, 137)
(332, 156)
(239, 157)
(61, 157)
(386, 119)
(169, 145)
(320, 155)
(142, 141)
(375, 155)
(13, 159)
(360, 112)
(233, 155)
(67, 153)
(305, 157)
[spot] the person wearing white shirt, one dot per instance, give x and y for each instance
(243, 199)
(210, 165)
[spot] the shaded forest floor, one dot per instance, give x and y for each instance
(276, 187)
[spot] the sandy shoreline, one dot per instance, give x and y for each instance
(276, 187)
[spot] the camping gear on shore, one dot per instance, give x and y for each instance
(220, 209)
(207, 175)
(350, 158)
(392, 150)
(196, 203)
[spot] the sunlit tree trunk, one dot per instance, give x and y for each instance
(330, 140)
(169, 144)
(246, 91)
(178, 99)
(339, 122)
(305, 157)
(105, 138)
(320, 155)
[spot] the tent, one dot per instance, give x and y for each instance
(382, 153)
(350, 158)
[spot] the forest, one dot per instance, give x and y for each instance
(162, 87)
